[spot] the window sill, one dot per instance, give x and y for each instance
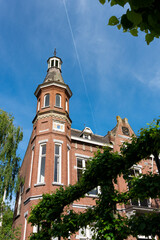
(45, 107)
(39, 184)
(92, 195)
(57, 184)
(17, 216)
(58, 107)
(27, 190)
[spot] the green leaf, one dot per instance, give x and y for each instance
(113, 21)
(134, 32)
(134, 17)
(102, 1)
(113, 2)
(149, 38)
(119, 26)
(121, 2)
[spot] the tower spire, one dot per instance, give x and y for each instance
(55, 52)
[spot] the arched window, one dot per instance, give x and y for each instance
(46, 100)
(58, 100)
(66, 105)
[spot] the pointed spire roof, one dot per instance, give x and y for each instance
(54, 69)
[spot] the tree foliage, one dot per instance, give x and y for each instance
(53, 213)
(6, 231)
(10, 136)
(143, 15)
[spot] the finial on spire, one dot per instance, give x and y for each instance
(55, 52)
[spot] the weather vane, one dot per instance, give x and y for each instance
(55, 52)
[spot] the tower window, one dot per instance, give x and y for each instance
(46, 100)
(57, 163)
(58, 100)
(56, 63)
(52, 63)
(42, 159)
(66, 105)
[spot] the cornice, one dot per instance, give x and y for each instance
(53, 83)
(51, 114)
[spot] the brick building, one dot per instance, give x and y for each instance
(56, 153)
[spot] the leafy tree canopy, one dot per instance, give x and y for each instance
(53, 213)
(143, 15)
(10, 136)
(6, 231)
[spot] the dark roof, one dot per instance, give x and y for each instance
(94, 137)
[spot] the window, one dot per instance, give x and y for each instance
(46, 100)
(85, 233)
(58, 100)
(42, 159)
(66, 105)
(52, 63)
(38, 104)
(20, 198)
(56, 63)
(57, 163)
(81, 165)
(31, 167)
(135, 172)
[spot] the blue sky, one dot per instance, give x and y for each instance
(109, 72)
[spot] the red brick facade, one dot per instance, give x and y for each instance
(51, 157)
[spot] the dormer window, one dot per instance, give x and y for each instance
(86, 136)
(46, 100)
(58, 100)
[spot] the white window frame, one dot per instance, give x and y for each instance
(59, 100)
(40, 162)
(68, 162)
(38, 105)
(44, 105)
(138, 168)
(58, 143)
(84, 159)
(66, 105)
(25, 225)
(31, 167)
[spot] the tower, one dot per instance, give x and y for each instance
(44, 167)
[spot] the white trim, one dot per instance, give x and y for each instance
(68, 163)
(25, 225)
(122, 136)
(81, 206)
(90, 141)
(36, 197)
(44, 130)
(58, 141)
(43, 141)
(39, 184)
(40, 162)
(81, 155)
(54, 84)
(60, 98)
(68, 146)
(30, 176)
(44, 103)
(57, 184)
